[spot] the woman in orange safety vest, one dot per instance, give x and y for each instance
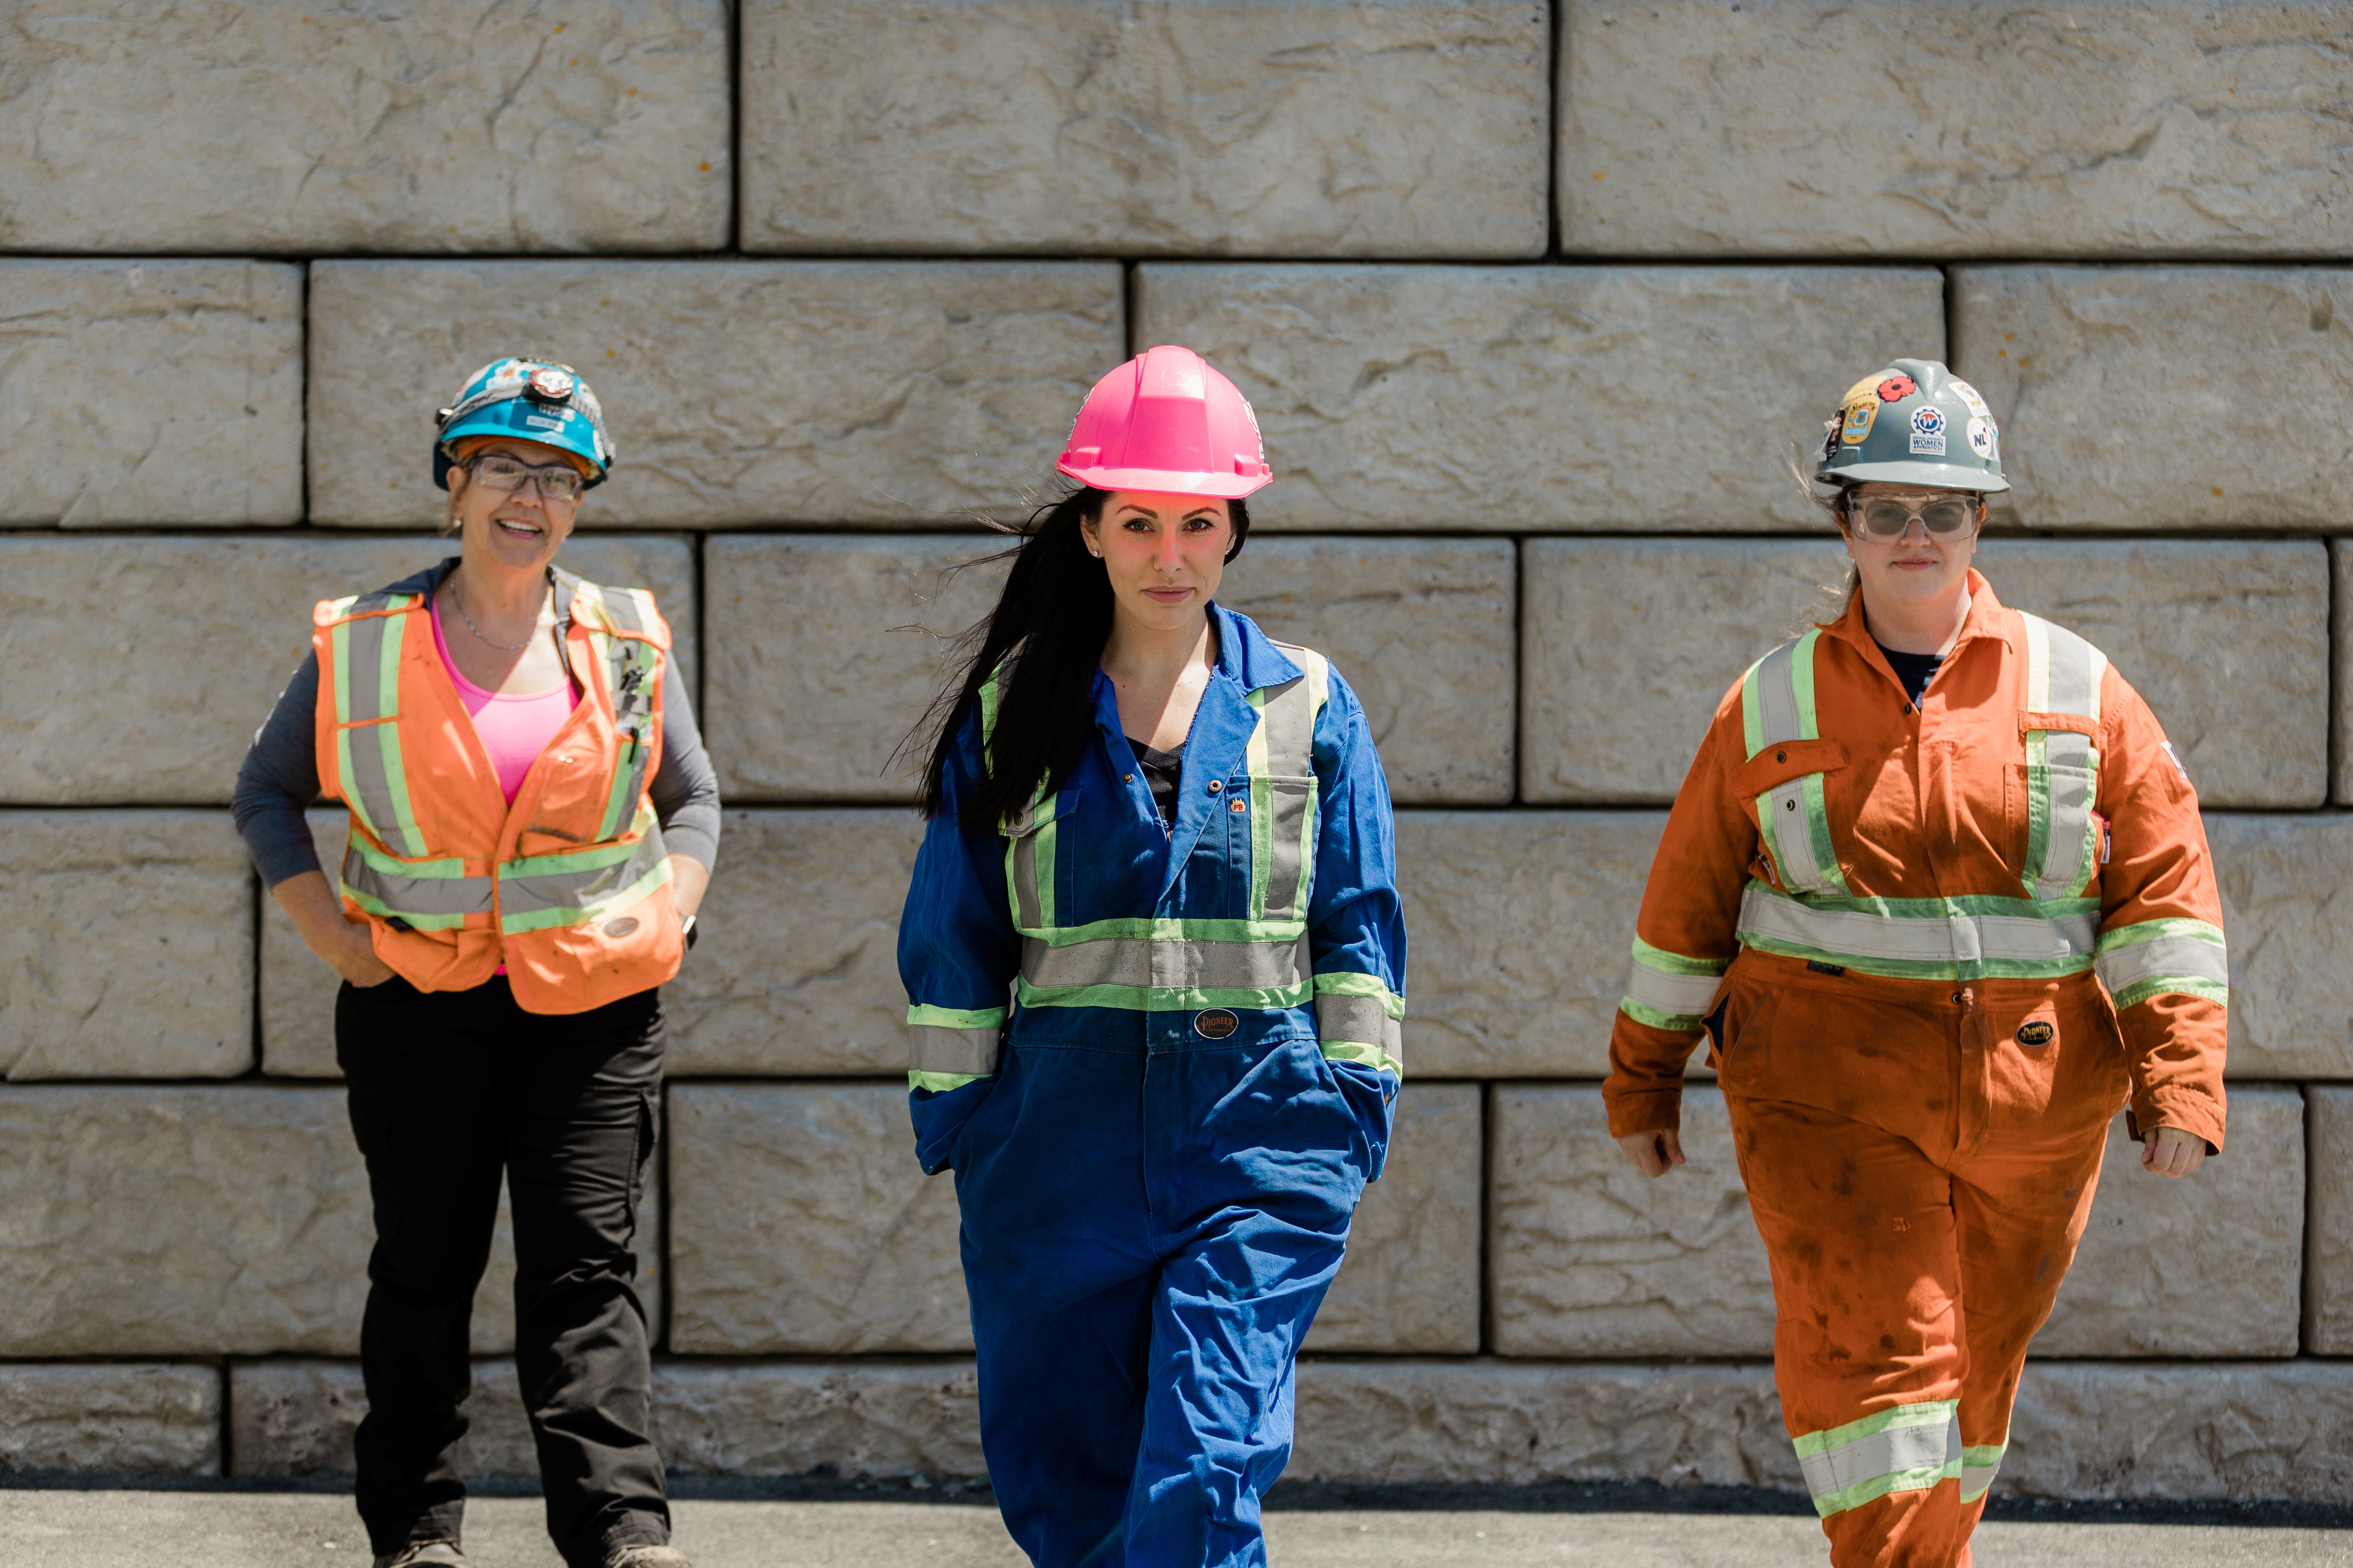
(532, 823)
(1937, 891)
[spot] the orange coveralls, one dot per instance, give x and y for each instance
(1967, 933)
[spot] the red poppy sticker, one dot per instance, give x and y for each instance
(1897, 387)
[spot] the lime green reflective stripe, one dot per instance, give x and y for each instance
(1776, 699)
(598, 883)
(2155, 958)
(1372, 1057)
(1971, 937)
(1159, 999)
(1170, 928)
(367, 731)
(1029, 865)
(1359, 1028)
(1280, 760)
(1979, 1466)
(1149, 965)
(429, 895)
(1909, 1447)
(1670, 985)
(1353, 982)
(2062, 768)
(1658, 1019)
(942, 1082)
(956, 1017)
(625, 658)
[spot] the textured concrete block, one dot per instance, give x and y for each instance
(2328, 1245)
(1518, 1424)
(1970, 130)
(210, 1221)
(2182, 1429)
(800, 1224)
(2208, 1266)
(1412, 128)
(180, 1221)
(2228, 642)
(1421, 629)
(1411, 1280)
(1522, 923)
(129, 1418)
(298, 1418)
(896, 393)
(797, 970)
(269, 125)
(2163, 398)
(851, 1419)
(1529, 399)
(146, 392)
(2289, 920)
(826, 653)
(2226, 639)
(2082, 1429)
(88, 723)
(1613, 705)
(2340, 563)
(1587, 1256)
(132, 953)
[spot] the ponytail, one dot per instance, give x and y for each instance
(1051, 623)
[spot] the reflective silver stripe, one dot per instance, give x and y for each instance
(935, 1049)
(368, 720)
(1287, 723)
(1977, 1473)
(1958, 938)
(1142, 964)
(1912, 1454)
(1358, 1020)
(585, 887)
(2163, 958)
(1033, 839)
(2063, 676)
(420, 897)
(1790, 815)
(1685, 995)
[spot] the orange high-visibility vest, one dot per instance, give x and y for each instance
(569, 887)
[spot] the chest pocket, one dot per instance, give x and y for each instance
(1787, 761)
(2063, 764)
(1283, 791)
(1030, 843)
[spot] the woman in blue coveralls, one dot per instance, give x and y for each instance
(1165, 840)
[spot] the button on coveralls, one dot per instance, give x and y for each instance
(1933, 952)
(1158, 1153)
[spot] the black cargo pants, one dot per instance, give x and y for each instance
(449, 1091)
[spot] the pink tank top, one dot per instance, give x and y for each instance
(514, 727)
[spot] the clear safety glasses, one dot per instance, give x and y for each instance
(1948, 517)
(560, 484)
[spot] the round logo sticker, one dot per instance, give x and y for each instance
(551, 385)
(2037, 1033)
(1927, 420)
(1984, 439)
(1969, 398)
(1216, 1024)
(1896, 388)
(621, 926)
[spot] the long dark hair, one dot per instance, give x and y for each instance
(1055, 615)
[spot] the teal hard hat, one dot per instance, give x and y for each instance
(1915, 423)
(532, 400)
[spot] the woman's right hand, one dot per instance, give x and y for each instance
(353, 957)
(345, 943)
(1653, 1154)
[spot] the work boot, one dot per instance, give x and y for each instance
(646, 1557)
(425, 1554)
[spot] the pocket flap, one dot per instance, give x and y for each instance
(2068, 723)
(1033, 817)
(1786, 760)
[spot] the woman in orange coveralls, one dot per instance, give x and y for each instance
(1938, 892)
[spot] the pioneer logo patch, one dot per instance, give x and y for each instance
(2037, 1033)
(1215, 1026)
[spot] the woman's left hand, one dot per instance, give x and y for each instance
(2170, 1151)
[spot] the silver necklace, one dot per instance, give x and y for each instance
(501, 647)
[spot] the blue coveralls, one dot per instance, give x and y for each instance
(1158, 1163)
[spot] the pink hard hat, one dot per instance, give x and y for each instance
(1167, 421)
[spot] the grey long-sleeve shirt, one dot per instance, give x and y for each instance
(280, 779)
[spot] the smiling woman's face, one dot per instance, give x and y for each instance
(1918, 568)
(517, 530)
(1164, 554)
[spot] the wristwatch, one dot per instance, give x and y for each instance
(687, 929)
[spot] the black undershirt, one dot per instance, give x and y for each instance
(1914, 669)
(1162, 774)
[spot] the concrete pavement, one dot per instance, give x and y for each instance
(236, 1529)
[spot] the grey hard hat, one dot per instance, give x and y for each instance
(1915, 423)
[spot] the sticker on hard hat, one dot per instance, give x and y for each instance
(1984, 439)
(1855, 421)
(1927, 433)
(549, 385)
(1896, 388)
(1829, 438)
(1969, 398)
(2036, 1033)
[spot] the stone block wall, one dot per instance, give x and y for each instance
(1535, 302)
